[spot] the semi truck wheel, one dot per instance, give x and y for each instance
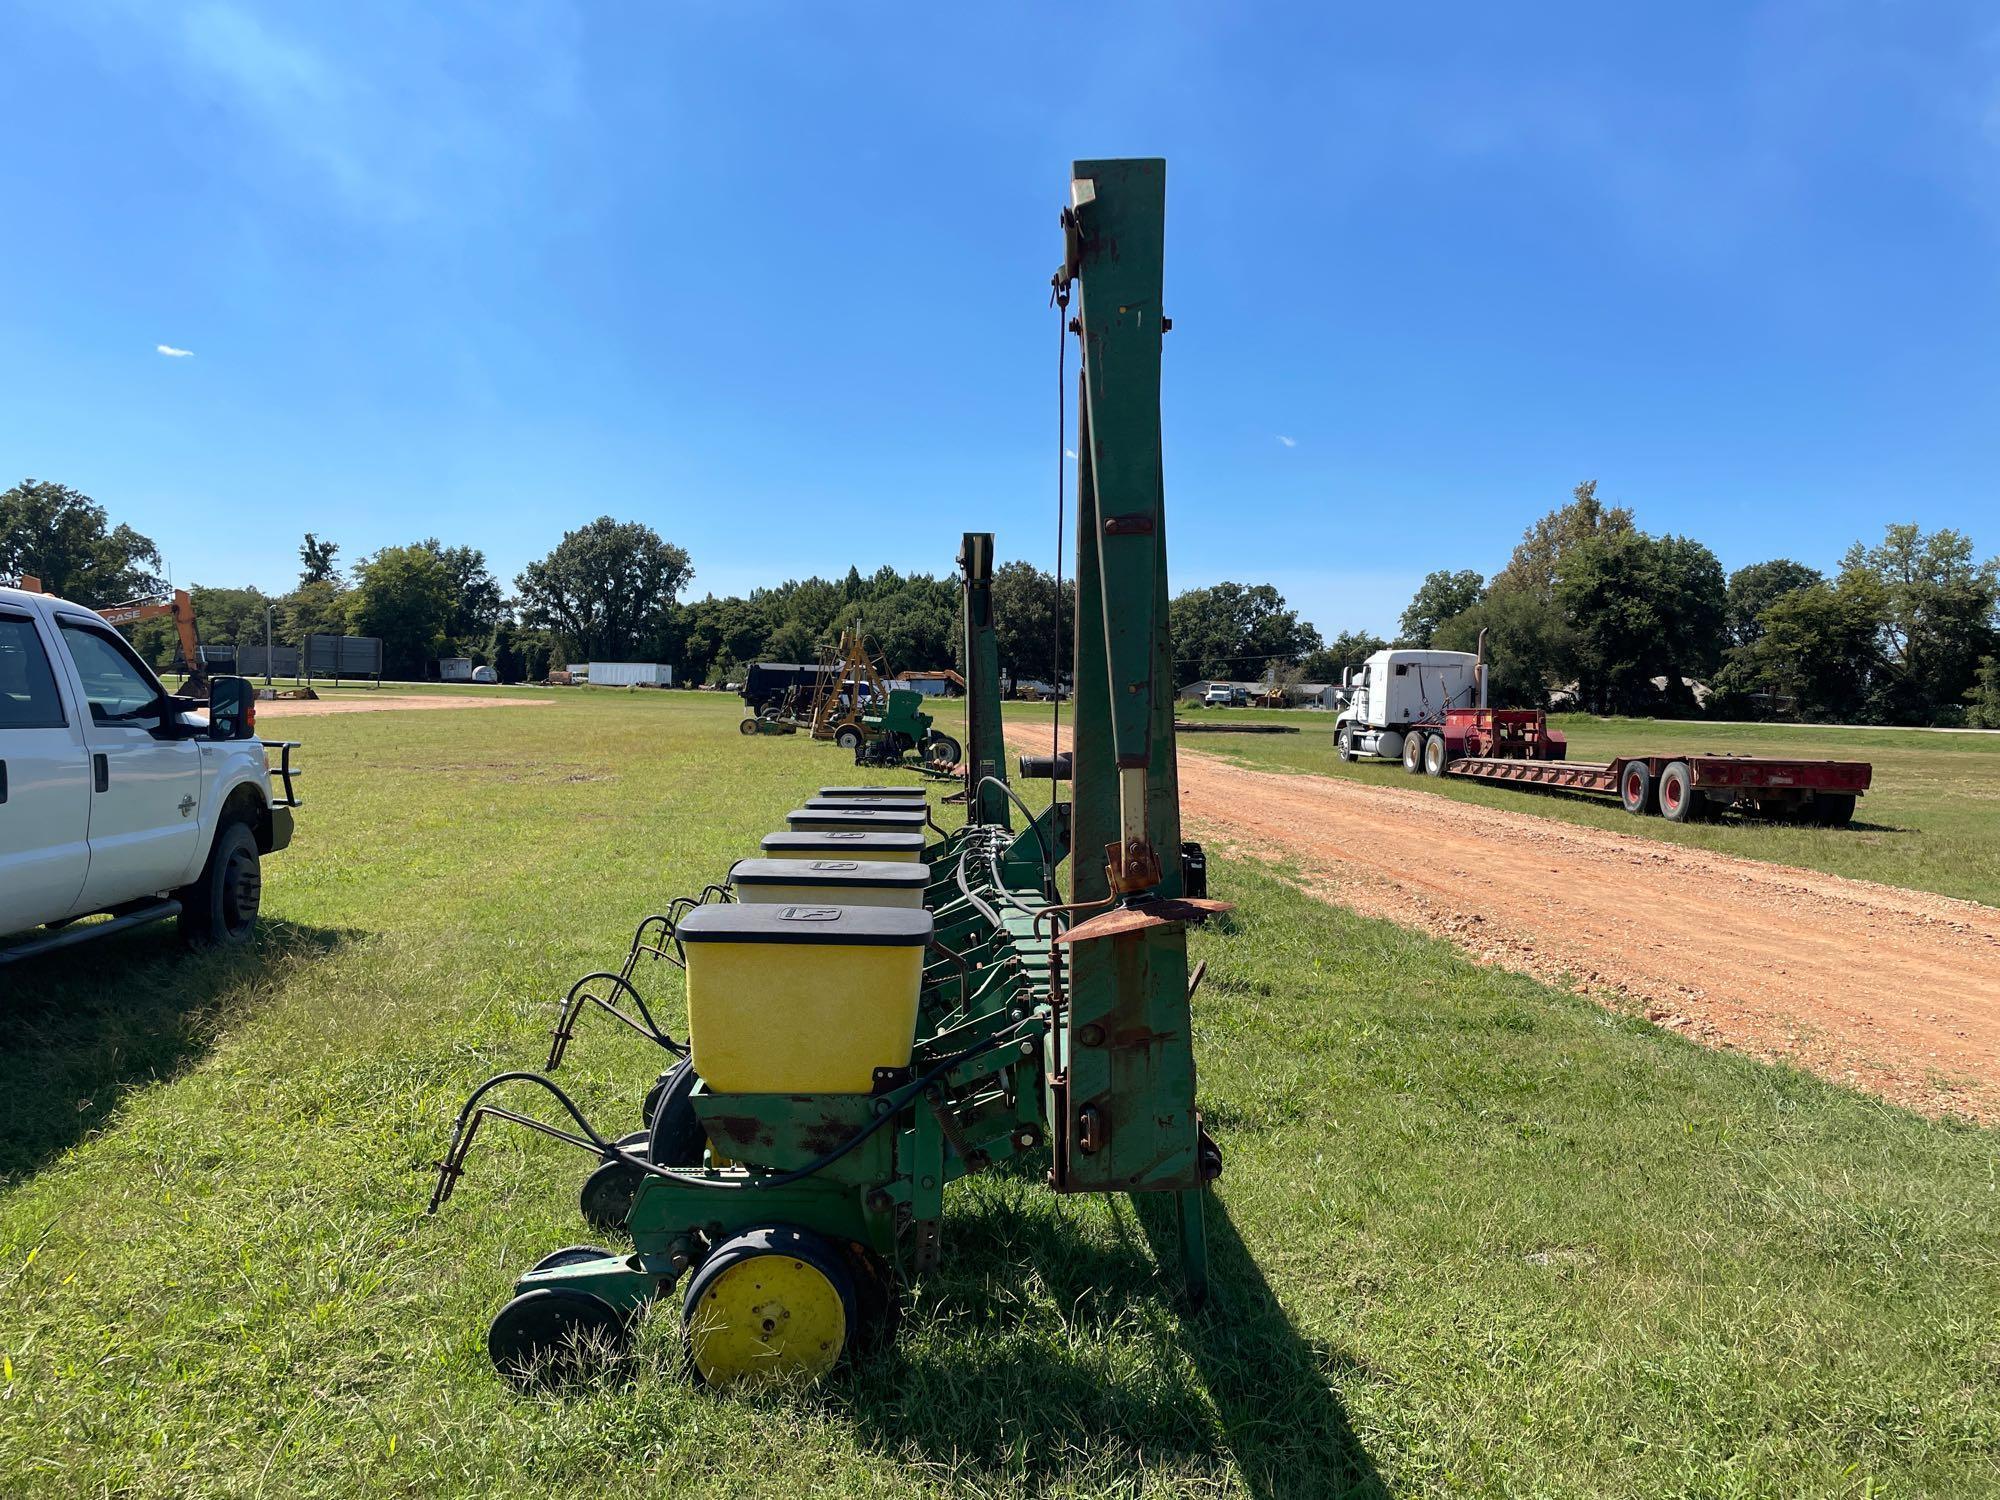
(1343, 747)
(1832, 809)
(1679, 801)
(1635, 788)
(220, 909)
(1413, 752)
(1437, 755)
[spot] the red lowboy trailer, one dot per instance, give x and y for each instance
(1516, 745)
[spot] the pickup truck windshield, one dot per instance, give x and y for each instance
(28, 697)
(117, 688)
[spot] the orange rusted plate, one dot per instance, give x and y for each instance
(1143, 914)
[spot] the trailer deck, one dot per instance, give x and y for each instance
(1683, 787)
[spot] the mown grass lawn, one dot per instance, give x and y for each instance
(1931, 822)
(1475, 1236)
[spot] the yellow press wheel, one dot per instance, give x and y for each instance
(770, 1304)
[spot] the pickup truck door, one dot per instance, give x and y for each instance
(145, 803)
(44, 784)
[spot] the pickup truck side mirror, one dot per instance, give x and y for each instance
(232, 709)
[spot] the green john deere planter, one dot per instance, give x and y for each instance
(851, 1053)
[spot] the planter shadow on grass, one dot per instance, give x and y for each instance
(1123, 1371)
(82, 1027)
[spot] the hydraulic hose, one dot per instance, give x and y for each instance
(1048, 857)
(449, 1168)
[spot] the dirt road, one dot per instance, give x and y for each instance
(1885, 989)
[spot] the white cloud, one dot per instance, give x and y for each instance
(392, 111)
(172, 353)
(1069, 453)
(1288, 442)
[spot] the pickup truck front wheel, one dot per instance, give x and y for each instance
(220, 908)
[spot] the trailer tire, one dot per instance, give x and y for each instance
(1635, 788)
(1437, 755)
(848, 737)
(1832, 809)
(1413, 752)
(1679, 801)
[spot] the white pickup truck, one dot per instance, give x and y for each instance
(118, 798)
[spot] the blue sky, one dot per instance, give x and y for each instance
(773, 278)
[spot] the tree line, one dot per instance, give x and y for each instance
(1588, 611)
(1591, 611)
(609, 590)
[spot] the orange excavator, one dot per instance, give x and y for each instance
(178, 606)
(187, 649)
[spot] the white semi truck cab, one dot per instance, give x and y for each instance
(117, 797)
(1394, 689)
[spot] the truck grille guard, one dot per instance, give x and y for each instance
(284, 771)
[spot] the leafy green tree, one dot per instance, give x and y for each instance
(536, 653)
(794, 641)
(316, 608)
(64, 538)
(909, 623)
(1439, 597)
(223, 617)
(743, 626)
(403, 595)
(1639, 608)
(502, 651)
(1024, 623)
(1538, 559)
(1938, 620)
(606, 588)
(317, 561)
(1754, 589)
(1819, 654)
(1235, 631)
(1348, 649)
(1529, 645)
(1984, 699)
(475, 592)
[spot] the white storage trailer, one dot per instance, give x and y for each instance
(1393, 690)
(630, 674)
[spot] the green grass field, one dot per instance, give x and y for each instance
(1475, 1237)
(1931, 821)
